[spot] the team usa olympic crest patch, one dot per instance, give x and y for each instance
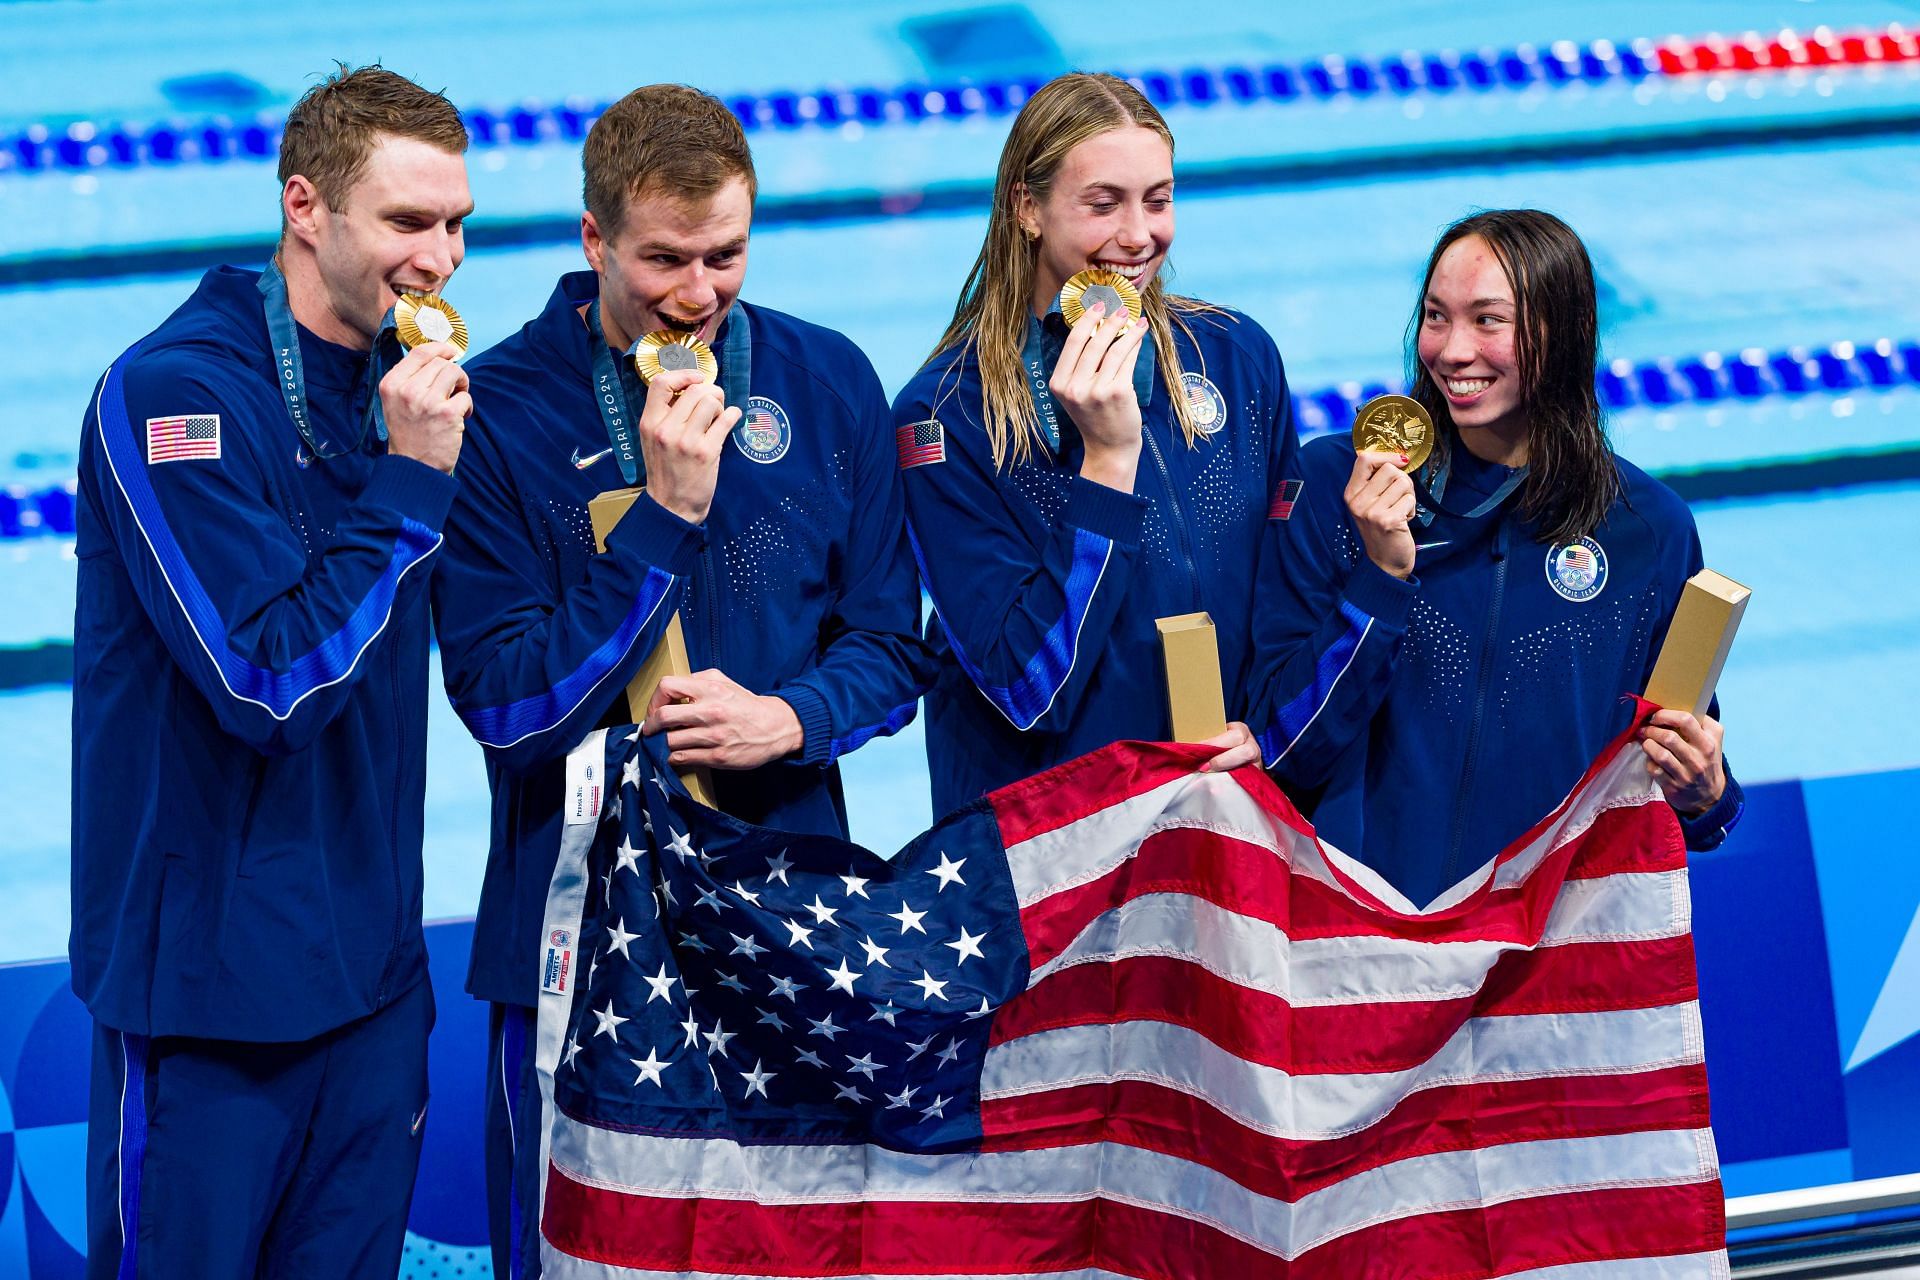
(1204, 401)
(1577, 571)
(763, 432)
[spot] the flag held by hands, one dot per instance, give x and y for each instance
(1121, 1019)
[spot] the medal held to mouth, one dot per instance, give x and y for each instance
(1084, 288)
(428, 317)
(665, 350)
(1395, 424)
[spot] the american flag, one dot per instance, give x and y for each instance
(194, 436)
(1283, 499)
(1200, 395)
(919, 443)
(1123, 1019)
(762, 428)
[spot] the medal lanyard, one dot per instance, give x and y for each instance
(617, 387)
(1438, 490)
(1042, 353)
(284, 334)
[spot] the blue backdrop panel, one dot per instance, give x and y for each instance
(1883, 1103)
(43, 1074)
(1870, 897)
(44, 1043)
(1765, 993)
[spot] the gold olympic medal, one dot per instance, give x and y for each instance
(665, 350)
(1394, 424)
(428, 317)
(1093, 285)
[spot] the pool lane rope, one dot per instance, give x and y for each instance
(1746, 377)
(93, 144)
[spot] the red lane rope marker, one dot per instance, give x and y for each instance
(1786, 51)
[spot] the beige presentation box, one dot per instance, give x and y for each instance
(1697, 642)
(1194, 696)
(669, 657)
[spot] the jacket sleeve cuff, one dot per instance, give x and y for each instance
(1107, 512)
(411, 487)
(1708, 830)
(658, 537)
(1380, 595)
(816, 727)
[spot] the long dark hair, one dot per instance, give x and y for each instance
(1572, 478)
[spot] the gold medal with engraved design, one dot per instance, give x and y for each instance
(1394, 424)
(665, 350)
(1109, 288)
(428, 317)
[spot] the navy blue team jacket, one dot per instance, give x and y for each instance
(799, 584)
(1046, 586)
(249, 714)
(1425, 725)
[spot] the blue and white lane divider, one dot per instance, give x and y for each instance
(96, 144)
(1671, 382)
(1748, 376)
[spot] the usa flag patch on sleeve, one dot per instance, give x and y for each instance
(1283, 499)
(179, 438)
(919, 443)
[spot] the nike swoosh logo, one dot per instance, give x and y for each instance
(419, 1118)
(581, 464)
(1428, 546)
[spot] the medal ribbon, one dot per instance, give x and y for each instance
(1431, 496)
(284, 334)
(1042, 352)
(617, 386)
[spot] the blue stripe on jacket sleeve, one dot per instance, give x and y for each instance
(512, 722)
(1293, 719)
(896, 720)
(1031, 695)
(328, 662)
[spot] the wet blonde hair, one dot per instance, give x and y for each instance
(995, 302)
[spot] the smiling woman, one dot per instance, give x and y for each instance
(1505, 341)
(1462, 633)
(1069, 484)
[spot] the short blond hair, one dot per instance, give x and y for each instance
(334, 127)
(666, 139)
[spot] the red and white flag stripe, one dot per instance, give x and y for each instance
(1241, 1053)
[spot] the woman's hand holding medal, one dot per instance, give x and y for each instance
(1093, 382)
(1380, 497)
(682, 430)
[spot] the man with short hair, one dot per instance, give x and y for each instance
(771, 521)
(263, 481)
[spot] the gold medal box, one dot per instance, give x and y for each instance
(669, 657)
